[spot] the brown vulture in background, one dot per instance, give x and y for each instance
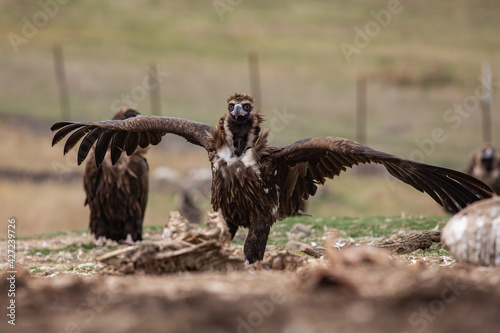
(255, 184)
(117, 194)
(484, 164)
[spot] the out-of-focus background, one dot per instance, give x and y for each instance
(420, 62)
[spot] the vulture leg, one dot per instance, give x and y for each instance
(129, 240)
(232, 229)
(133, 231)
(99, 227)
(100, 241)
(255, 244)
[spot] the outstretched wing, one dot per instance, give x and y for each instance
(308, 162)
(127, 134)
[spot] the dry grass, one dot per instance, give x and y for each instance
(44, 207)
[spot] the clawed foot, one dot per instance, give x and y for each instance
(100, 241)
(129, 240)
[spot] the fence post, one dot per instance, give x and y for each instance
(361, 110)
(253, 66)
(486, 101)
(62, 84)
(154, 92)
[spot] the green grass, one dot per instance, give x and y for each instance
(355, 227)
(53, 234)
(73, 268)
(435, 250)
(153, 228)
(35, 270)
(41, 251)
(435, 255)
(73, 247)
(350, 227)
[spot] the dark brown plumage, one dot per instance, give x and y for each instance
(484, 164)
(117, 194)
(255, 184)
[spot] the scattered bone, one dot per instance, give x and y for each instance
(186, 247)
(412, 242)
(305, 248)
(191, 247)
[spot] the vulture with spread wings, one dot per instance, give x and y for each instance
(255, 184)
(117, 194)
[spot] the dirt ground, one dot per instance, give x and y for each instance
(60, 286)
(359, 289)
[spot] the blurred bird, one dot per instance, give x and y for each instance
(484, 164)
(188, 208)
(190, 189)
(255, 184)
(117, 194)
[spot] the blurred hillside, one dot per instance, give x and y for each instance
(421, 58)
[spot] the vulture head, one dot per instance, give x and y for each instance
(240, 106)
(125, 114)
(487, 157)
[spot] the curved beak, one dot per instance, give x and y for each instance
(488, 153)
(238, 111)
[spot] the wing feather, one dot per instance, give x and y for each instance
(132, 142)
(87, 144)
(74, 138)
(130, 133)
(117, 145)
(339, 167)
(328, 156)
(102, 145)
(155, 137)
(144, 140)
(316, 174)
(63, 129)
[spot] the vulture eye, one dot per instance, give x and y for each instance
(230, 107)
(247, 107)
